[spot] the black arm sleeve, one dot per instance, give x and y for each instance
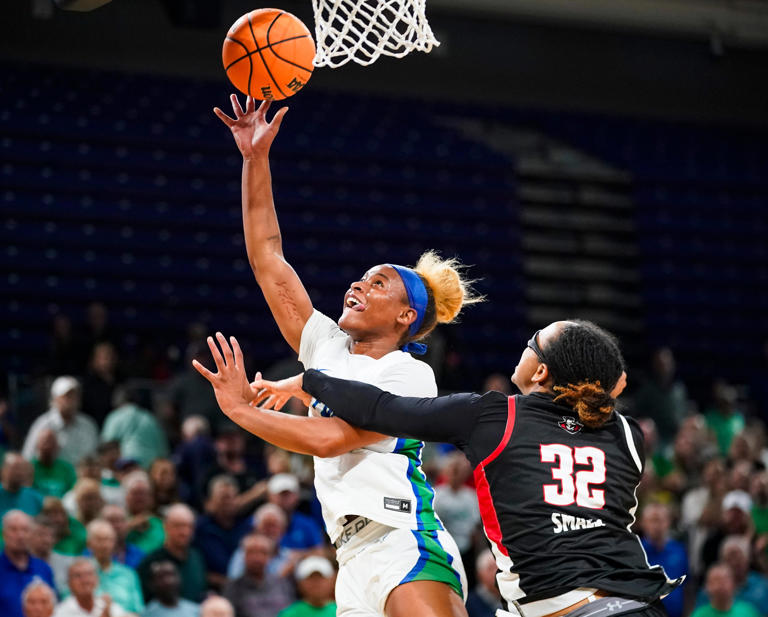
(445, 419)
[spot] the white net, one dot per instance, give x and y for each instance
(363, 30)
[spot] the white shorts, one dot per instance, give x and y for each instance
(369, 572)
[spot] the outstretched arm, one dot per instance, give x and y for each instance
(448, 419)
(281, 286)
(322, 437)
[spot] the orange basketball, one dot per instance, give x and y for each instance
(268, 54)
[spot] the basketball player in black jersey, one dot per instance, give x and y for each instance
(556, 469)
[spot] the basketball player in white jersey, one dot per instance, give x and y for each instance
(395, 557)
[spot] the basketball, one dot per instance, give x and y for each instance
(268, 54)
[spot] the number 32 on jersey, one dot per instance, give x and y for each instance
(579, 487)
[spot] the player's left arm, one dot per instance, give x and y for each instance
(317, 436)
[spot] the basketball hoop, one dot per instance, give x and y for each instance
(363, 30)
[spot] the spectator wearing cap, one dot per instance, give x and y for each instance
(302, 532)
(315, 579)
(125, 553)
(38, 599)
(84, 601)
(165, 589)
(179, 525)
(660, 549)
(269, 520)
(53, 475)
(13, 494)
(720, 589)
(145, 529)
(749, 586)
(70, 533)
(216, 606)
(119, 581)
(41, 543)
(484, 599)
(76, 433)
(220, 529)
(257, 593)
(736, 520)
(18, 567)
(136, 430)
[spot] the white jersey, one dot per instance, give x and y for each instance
(382, 481)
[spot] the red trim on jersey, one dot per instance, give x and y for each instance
(507, 432)
(487, 511)
(484, 500)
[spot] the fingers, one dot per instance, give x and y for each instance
(204, 371)
(278, 119)
(220, 364)
(238, 352)
(250, 104)
(224, 117)
(262, 111)
(239, 113)
(229, 358)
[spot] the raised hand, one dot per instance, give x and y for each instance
(230, 383)
(253, 134)
(275, 394)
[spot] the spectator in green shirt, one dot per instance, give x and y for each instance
(724, 419)
(115, 579)
(720, 589)
(13, 494)
(137, 431)
(315, 578)
(179, 525)
(53, 475)
(70, 533)
(146, 529)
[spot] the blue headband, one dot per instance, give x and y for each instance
(417, 300)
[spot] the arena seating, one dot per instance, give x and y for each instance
(126, 190)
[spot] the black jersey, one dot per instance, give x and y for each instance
(557, 498)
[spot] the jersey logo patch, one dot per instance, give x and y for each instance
(570, 425)
(398, 505)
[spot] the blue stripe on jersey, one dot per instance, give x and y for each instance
(422, 490)
(422, 560)
(450, 557)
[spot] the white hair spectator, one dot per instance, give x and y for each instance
(195, 426)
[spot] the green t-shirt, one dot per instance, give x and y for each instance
(738, 609)
(724, 427)
(760, 518)
(55, 480)
(138, 432)
(149, 540)
(302, 609)
(27, 500)
(74, 543)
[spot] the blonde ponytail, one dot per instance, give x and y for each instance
(449, 291)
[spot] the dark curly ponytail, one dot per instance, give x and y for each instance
(585, 364)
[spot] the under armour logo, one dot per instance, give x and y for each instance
(614, 606)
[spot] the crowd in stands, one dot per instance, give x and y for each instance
(114, 503)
